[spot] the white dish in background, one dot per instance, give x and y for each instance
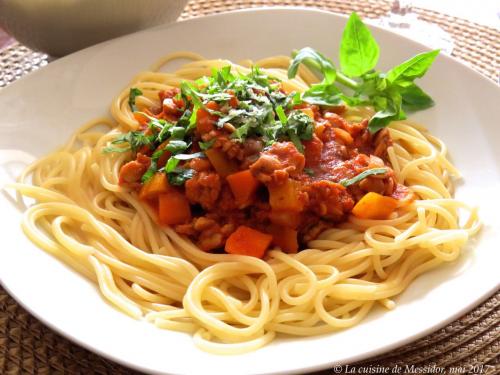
(60, 27)
(40, 112)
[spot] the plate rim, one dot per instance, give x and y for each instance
(323, 365)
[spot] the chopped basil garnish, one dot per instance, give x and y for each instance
(206, 145)
(369, 172)
(134, 139)
(179, 176)
(134, 92)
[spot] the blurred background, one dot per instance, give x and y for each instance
(19, 18)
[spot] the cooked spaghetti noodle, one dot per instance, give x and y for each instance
(235, 303)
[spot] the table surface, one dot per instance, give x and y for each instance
(487, 14)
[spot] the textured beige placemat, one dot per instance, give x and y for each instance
(470, 344)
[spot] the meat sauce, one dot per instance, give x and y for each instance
(289, 195)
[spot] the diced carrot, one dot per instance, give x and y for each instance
(248, 241)
(158, 184)
(222, 164)
(141, 119)
(285, 238)
(343, 135)
(290, 219)
(243, 185)
(173, 208)
(205, 121)
(308, 111)
(285, 197)
(320, 128)
(374, 206)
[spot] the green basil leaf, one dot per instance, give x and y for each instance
(296, 99)
(323, 94)
(188, 119)
(359, 52)
(216, 96)
(110, 149)
(241, 133)
(369, 172)
(389, 106)
(415, 99)
(188, 90)
(309, 171)
(164, 133)
(271, 131)
(226, 73)
(353, 101)
(171, 164)
(281, 114)
(411, 69)
(175, 146)
(177, 132)
(179, 176)
(296, 141)
(300, 124)
(384, 117)
(135, 139)
(206, 145)
(134, 92)
(230, 115)
(153, 167)
(149, 173)
(258, 76)
(326, 66)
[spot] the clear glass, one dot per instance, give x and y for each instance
(403, 20)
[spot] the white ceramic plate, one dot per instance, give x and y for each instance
(39, 112)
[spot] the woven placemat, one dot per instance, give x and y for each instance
(470, 344)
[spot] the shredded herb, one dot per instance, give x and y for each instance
(179, 176)
(261, 109)
(206, 145)
(281, 115)
(134, 92)
(171, 165)
(369, 172)
(133, 139)
(153, 167)
(309, 171)
(176, 146)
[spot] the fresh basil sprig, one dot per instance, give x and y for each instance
(392, 94)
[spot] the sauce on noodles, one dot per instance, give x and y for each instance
(256, 167)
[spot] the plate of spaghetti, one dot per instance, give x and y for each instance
(189, 199)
